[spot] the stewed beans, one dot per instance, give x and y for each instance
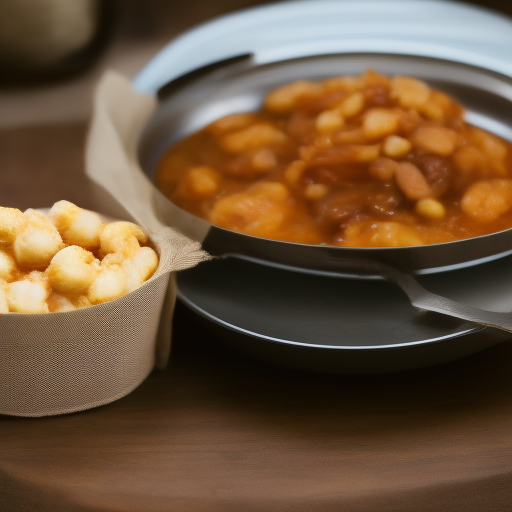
(360, 161)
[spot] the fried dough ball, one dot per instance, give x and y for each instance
(28, 295)
(81, 302)
(42, 271)
(62, 214)
(111, 283)
(10, 222)
(140, 267)
(137, 269)
(85, 230)
(122, 237)
(4, 307)
(59, 304)
(112, 258)
(72, 270)
(37, 241)
(77, 226)
(7, 266)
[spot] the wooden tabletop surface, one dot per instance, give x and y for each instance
(218, 431)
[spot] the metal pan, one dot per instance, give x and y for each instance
(239, 85)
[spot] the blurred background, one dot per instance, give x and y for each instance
(53, 51)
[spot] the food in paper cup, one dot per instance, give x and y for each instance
(68, 259)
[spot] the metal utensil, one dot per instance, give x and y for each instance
(423, 299)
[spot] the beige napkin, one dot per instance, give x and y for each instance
(120, 114)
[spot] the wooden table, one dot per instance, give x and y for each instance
(217, 431)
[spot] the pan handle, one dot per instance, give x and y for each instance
(423, 299)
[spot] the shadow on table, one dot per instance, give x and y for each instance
(466, 387)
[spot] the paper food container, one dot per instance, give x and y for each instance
(59, 363)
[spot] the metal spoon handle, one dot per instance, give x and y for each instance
(422, 298)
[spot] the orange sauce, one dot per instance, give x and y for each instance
(365, 161)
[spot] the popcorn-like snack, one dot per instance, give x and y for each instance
(29, 294)
(72, 270)
(77, 226)
(36, 241)
(68, 259)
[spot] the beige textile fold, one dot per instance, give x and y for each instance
(65, 362)
(120, 114)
